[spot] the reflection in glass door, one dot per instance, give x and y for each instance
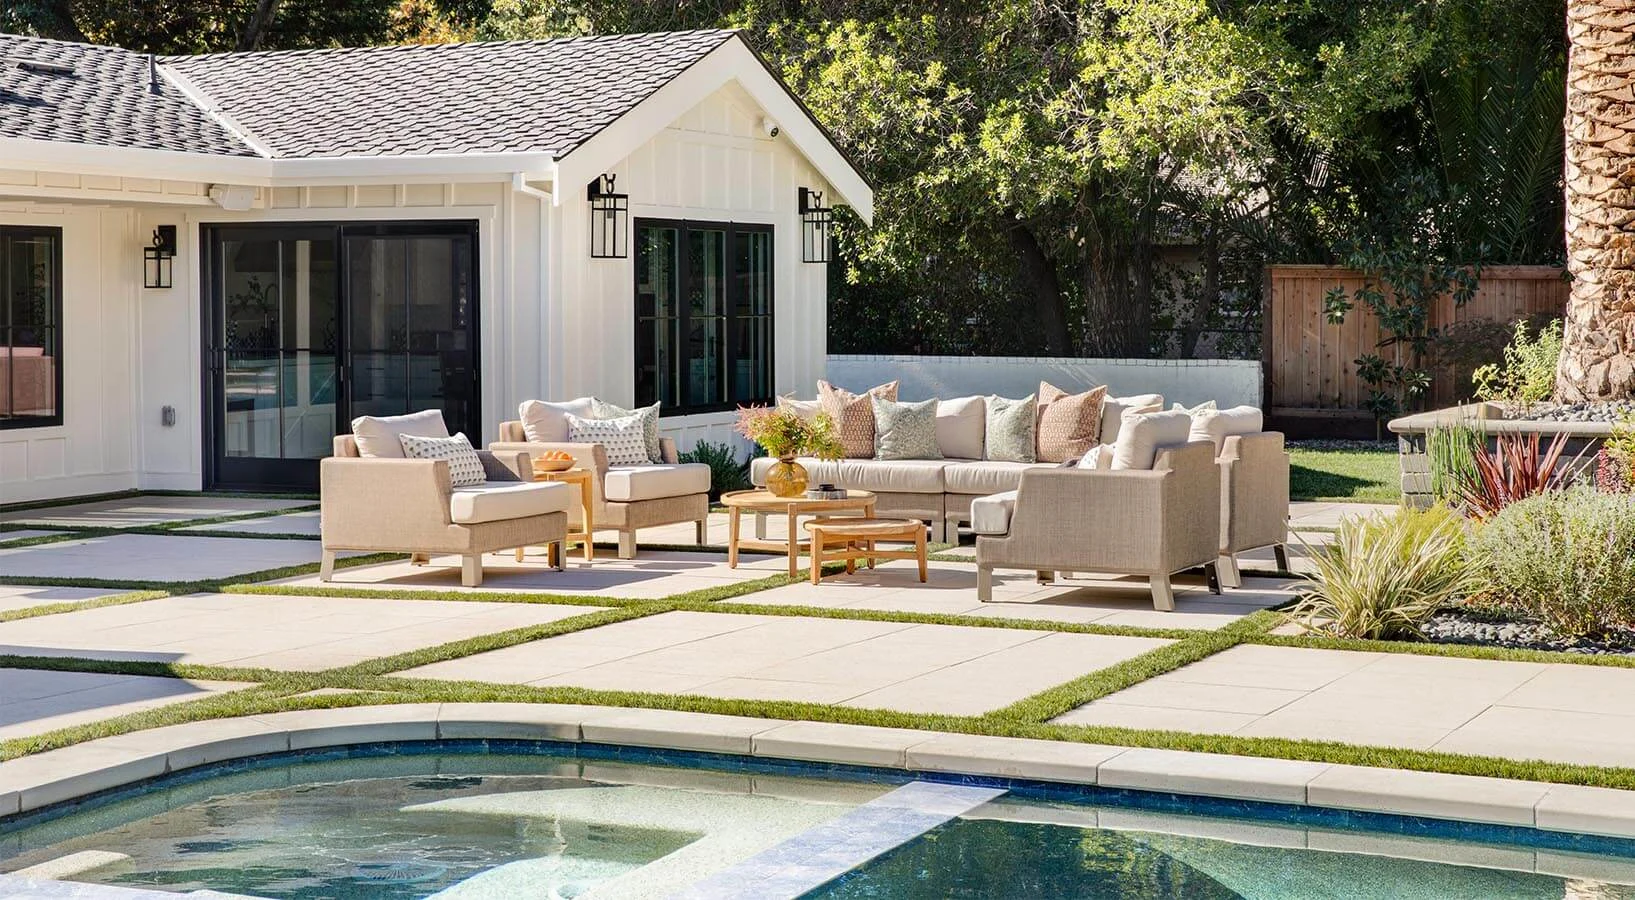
(311, 326)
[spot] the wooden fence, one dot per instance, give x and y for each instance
(1310, 365)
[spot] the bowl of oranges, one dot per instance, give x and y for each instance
(552, 461)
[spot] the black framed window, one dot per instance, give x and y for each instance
(704, 306)
(30, 327)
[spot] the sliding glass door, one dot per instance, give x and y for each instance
(309, 326)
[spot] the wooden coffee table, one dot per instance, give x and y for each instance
(762, 501)
(849, 540)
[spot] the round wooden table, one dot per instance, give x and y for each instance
(763, 501)
(849, 540)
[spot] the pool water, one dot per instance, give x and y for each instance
(464, 824)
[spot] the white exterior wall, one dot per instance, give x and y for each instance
(1228, 382)
(714, 163)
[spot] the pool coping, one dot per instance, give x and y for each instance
(41, 780)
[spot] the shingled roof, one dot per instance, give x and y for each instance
(87, 94)
(500, 97)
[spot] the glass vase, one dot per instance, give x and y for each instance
(786, 478)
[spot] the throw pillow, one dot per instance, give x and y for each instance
(1009, 433)
(960, 422)
(1142, 435)
(1208, 406)
(547, 423)
(624, 439)
(853, 416)
(1069, 424)
(1114, 408)
(600, 409)
(377, 436)
(1216, 427)
(806, 409)
(1099, 457)
(465, 467)
(905, 430)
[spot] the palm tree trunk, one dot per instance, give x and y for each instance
(1598, 356)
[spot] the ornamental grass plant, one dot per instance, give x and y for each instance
(1385, 575)
(1564, 557)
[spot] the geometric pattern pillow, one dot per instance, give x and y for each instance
(1069, 424)
(1010, 430)
(905, 430)
(854, 416)
(624, 439)
(465, 467)
(601, 409)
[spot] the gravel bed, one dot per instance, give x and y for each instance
(1612, 411)
(1453, 627)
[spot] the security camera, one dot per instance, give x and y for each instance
(769, 126)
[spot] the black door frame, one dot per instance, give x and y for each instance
(213, 423)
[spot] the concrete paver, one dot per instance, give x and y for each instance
(16, 599)
(153, 557)
(131, 512)
(35, 701)
(304, 522)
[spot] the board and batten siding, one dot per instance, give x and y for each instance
(713, 163)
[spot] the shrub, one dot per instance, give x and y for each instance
(1384, 575)
(1528, 375)
(727, 472)
(1567, 557)
(1615, 463)
(1515, 470)
(1451, 454)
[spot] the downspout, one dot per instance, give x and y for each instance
(519, 183)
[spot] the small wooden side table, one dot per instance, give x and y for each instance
(581, 477)
(848, 540)
(765, 501)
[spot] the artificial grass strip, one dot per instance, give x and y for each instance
(343, 677)
(472, 596)
(51, 609)
(229, 518)
(144, 667)
(1455, 651)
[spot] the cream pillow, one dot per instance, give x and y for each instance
(960, 426)
(1114, 408)
(1141, 435)
(624, 440)
(1216, 427)
(1100, 457)
(649, 416)
(377, 436)
(465, 467)
(547, 423)
(806, 409)
(1208, 406)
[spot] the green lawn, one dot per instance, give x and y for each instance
(1361, 471)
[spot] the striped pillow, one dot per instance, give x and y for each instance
(465, 467)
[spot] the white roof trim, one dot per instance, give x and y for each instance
(733, 61)
(213, 110)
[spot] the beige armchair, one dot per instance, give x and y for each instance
(1153, 522)
(409, 506)
(1255, 500)
(625, 498)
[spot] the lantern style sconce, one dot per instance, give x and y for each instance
(816, 222)
(158, 257)
(609, 219)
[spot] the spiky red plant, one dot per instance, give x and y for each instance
(1514, 470)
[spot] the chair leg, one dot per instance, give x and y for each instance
(471, 570)
(1163, 599)
(419, 559)
(760, 526)
(1046, 577)
(561, 556)
(1212, 575)
(326, 566)
(1281, 551)
(939, 529)
(984, 583)
(1226, 568)
(703, 528)
(627, 545)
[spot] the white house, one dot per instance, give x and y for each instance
(378, 230)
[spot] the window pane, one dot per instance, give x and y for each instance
(30, 336)
(657, 298)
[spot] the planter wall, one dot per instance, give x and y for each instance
(1583, 442)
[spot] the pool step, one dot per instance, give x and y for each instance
(828, 851)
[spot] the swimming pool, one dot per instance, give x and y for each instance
(510, 819)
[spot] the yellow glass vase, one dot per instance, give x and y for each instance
(786, 478)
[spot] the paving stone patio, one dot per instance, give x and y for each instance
(7, 537)
(891, 665)
(13, 599)
(265, 631)
(1557, 712)
(154, 557)
(305, 523)
(35, 701)
(131, 512)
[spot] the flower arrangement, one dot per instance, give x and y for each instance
(784, 434)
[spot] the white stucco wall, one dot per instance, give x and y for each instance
(1188, 381)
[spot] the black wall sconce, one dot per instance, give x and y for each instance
(816, 222)
(609, 219)
(158, 257)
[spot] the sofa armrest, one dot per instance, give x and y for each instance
(667, 451)
(506, 465)
(585, 456)
(385, 503)
(1254, 491)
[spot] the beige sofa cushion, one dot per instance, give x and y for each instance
(378, 436)
(985, 477)
(960, 426)
(1216, 427)
(1114, 408)
(1069, 424)
(496, 501)
(547, 423)
(628, 484)
(1142, 434)
(992, 514)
